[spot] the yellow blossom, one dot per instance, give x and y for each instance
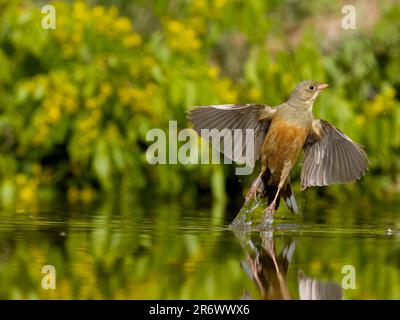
(98, 11)
(124, 95)
(27, 192)
(389, 92)
(254, 94)
(226, 92)
(105, 89)
(148, 61)
(123, 25)
(54, 114)
(70, 105)
(219, 3)
(20, 178)
(88, 194)
(73, 194)
(91, 103)
(200, 4)
(181, 37)
(360, 120)
(213, 72)
(41, 135)
(197, 24)
(77, 37)
(175, 26)
(112, 131)
(132, 40)
(81, 11)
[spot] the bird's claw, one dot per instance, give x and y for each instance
(268, 214)
(254, 193)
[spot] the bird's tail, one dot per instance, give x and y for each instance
(286, 193)
(288, 197)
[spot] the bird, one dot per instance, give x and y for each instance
(268, 267)
(280, 134)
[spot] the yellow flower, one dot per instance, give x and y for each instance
(377, 105)
(20, 178)
(73, 194)
(148, 61)
(80, 11)
(197, 24)
(174, 26)
(54, 114)
(254, 94)
(27, 192)
(91, 103)
(90, 121)
(389, 92)
(132, 40)
(41, 134)
(124, 95)
(69, 50)
(360, 120)
(213, 72)
(70, 105)
(88, 194)
(219, 3)
(98, 11)
(200, 4)
(181, 37)
(105, 89)
(112, 131)
(122, 24)
(226, 92)
(77, 37)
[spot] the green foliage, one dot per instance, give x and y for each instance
(76, 102)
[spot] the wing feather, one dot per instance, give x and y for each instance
(331, 157)
(256, 117)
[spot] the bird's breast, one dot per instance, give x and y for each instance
(283, 142)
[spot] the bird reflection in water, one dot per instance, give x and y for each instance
(268, 268)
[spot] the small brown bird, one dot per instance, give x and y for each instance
(268, 267)
(280, 133)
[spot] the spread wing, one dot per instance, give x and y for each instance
(331, 157)
(236, 142)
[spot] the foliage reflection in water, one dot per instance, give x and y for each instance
(169, 251)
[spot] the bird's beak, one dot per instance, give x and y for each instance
(322, 86)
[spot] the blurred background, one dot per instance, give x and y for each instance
(77, 102)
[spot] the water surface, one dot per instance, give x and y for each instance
(169, 251)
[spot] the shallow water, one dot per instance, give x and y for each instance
(168, 251)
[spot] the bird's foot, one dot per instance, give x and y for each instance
(254, 193)
(267, 218)
(256, 189)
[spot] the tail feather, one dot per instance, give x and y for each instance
(268, 191)
(289, 198)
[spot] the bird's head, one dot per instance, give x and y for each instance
(305, 93)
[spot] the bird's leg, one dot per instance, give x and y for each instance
(255, 190)
(268, 212)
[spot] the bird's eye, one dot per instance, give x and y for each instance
(311, 88)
